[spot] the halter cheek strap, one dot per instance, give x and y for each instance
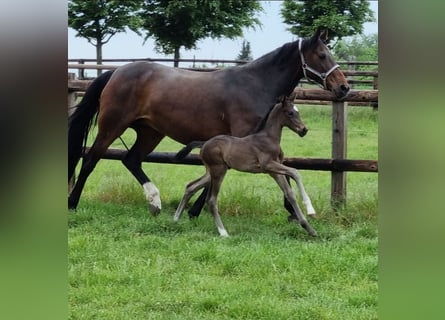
(323, 76)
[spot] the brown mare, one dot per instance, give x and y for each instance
(256, 153)
(158, 101)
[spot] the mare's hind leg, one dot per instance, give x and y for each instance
(100, 145)
(190, 190)
(217, 176)
(196, 208)
(147, 139)
(289, 194)
(288, 205)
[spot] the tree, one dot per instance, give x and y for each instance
(99, 20)
(359, 48)
(246, 53)
(341, 17)
(176, 23)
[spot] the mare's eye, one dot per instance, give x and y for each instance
(322, 56)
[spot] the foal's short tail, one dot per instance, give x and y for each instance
(80, 121)
(187, 149)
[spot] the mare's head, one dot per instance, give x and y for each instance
(290, 116)
(319, 65)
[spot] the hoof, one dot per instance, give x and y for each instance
(309, 229)
(154, 210)
(152, 195)
(313, 216)
(292, 218)
(193, 215)
(71, 205)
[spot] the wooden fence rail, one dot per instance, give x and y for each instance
(367, 77)
(338, 164)
(297, 163)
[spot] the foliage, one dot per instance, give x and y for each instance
(99, 20)
(246, 53)
(357, 48)
(176, 23)
(341, 17)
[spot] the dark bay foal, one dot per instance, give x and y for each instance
(256, 153)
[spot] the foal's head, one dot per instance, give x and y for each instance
(289, 115)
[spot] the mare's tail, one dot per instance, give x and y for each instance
(187, 149)
(80, 121)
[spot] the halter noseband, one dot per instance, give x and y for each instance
(323, 76)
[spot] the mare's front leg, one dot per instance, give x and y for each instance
(147, 139)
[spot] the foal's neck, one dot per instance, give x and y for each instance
(273, 127)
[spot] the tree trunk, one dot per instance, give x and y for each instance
(176, 57)
(99, 55)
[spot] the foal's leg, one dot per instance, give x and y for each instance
(217, 176)
(190, 190)
(290, 196)
(304, 196)
(147, 139)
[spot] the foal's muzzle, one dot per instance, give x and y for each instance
(303, 132)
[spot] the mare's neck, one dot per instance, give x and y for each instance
(279, 70)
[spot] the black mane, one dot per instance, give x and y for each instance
(279, 56)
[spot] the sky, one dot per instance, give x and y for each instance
(271, 35)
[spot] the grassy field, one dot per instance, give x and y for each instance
(126, 264)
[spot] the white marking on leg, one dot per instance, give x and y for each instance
(152, 196)
(223, 232)
(304, 196)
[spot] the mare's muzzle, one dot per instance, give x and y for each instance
(341, 91)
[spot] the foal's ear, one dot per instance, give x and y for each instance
(281, 99)
(293, 95)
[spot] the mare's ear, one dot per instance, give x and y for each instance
(324, 36)
(321, 34)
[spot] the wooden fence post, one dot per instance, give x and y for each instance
(339, 143)
(71, 94)
(71, 102)
(81, 72)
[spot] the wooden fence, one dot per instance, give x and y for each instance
(338, 164)
(366, 77)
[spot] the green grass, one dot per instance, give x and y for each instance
(126, 264)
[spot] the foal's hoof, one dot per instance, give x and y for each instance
(312, 216)
(309, 228)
